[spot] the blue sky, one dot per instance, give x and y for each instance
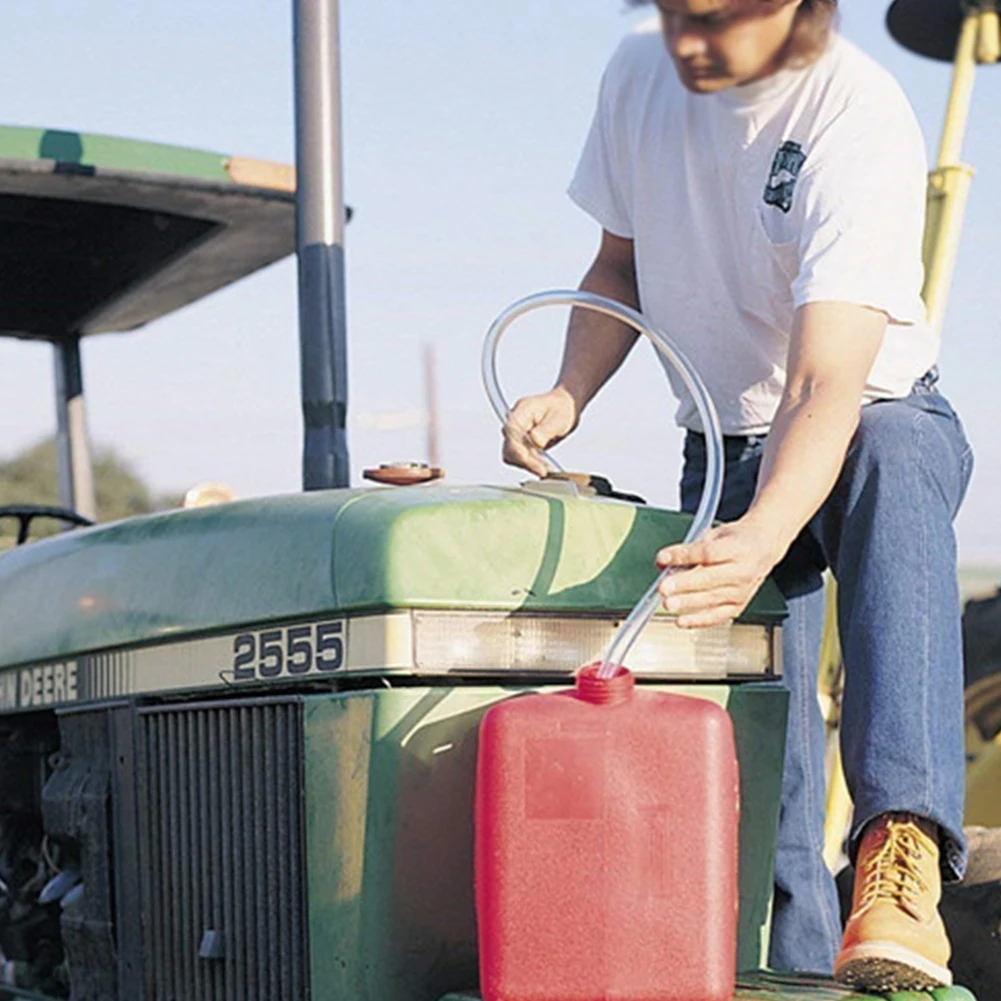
(462, 126)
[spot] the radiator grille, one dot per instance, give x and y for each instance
(222, 852)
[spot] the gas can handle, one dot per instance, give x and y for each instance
(641, 614)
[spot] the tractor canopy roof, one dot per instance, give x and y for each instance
(102, 234)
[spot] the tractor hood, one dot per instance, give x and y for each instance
(342, 552)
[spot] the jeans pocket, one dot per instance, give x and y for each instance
(742, 458)
(949, 426)
(934, 403)
(931, 401)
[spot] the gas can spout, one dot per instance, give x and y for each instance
(611, 691)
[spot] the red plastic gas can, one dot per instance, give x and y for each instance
(606, 846)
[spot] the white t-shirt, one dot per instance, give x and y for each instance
(746, 204)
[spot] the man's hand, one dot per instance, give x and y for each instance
(719, 575)
(535, 423)
(596, 346)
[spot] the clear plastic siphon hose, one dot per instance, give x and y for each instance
(640, 615)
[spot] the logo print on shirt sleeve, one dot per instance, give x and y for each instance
(786, 166)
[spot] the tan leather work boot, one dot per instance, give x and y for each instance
(895, 939)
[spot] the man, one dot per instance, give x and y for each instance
(760, 186)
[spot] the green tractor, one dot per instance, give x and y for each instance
(238, 742)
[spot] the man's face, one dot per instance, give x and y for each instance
(716, 44)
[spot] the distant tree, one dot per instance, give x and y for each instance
(30, 478)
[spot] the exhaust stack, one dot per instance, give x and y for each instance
(320, 217)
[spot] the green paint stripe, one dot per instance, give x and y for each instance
(110, 152)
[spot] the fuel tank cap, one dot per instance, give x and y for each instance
(403, 474)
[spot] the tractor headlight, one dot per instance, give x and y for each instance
(466, 642)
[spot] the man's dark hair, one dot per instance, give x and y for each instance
(810, 31)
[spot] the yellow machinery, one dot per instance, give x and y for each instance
(965, 32)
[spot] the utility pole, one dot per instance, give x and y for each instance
(431, 406)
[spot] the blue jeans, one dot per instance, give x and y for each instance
(886, 533)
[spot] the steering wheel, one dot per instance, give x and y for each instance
(27, 513)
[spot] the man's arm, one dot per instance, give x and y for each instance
(831, 353)
(596, 345)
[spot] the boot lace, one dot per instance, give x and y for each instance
(894, 871)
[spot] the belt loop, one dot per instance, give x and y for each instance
(930, 379)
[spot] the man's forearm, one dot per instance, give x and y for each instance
(803, 457)
(832, 351)
(596, 345)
